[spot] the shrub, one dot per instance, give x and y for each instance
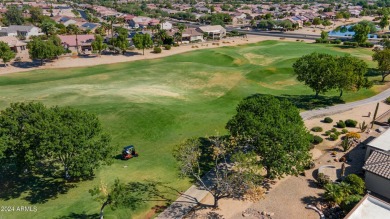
(353, 135)
(344, 131)
(350, 123)
(176, 45)
(328, 120)
(363, 126)
(346, 144)
(387, 100)
(333, 137)
(317, 129)
(167, 47)
(340, 124)
(356, 183)
(157, 50)
(367, 45)
(337, 133)
(333, 130)
(335, 41)
(322, 180)
(327, 133)
(317, 139)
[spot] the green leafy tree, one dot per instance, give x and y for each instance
(121, 41)
(324, 35)
(346, 15)
(383, 59)
(142, 41)
(45, 49)
(361, 32)
(98, 44)
(13, 16)
(326, 23)
(6, 54)
(36, 15)
(384, 22)
(60, 139)
(275, 131)
(316, 21)
(357, 184)
(317, 71)
(48, 27)
(350, 74)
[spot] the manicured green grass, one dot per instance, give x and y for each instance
(156, 104)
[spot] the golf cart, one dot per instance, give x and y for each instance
(129, 152)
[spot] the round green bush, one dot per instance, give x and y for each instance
(327, 133)
(167, 47)
(340, 124)
(157, 50)
(350, 123)
(317, 139)
(317, 129)
(333, 137)
(344, 131)
(337, 133)
(387, 100)
(333, 130)
(328, 120)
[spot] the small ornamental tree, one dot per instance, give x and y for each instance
(225, 179)
(274, 130)
(98, 44)
(6, 54)
(142, 41)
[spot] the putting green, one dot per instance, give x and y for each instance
(155, 104)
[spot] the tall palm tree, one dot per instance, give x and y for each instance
(181, 28)
(111, 20)
(74, 29)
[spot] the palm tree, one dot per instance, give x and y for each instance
(333, 193)
(181, 28)
(112, 20)
(74, 29)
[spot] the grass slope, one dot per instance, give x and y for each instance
(155, 104)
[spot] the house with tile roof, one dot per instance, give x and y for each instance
(377, 173)
(84, 42)
(14, 43)
(380, 143)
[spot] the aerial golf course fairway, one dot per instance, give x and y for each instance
(154, 105)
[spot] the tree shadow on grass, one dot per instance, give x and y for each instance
(39, 189)
(309, 102)
(79, 216)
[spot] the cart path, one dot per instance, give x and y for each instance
(187, 201)
(344, 107)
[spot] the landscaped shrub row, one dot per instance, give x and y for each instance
(319, 40)
(353, 44)
(317, 129)
(367, 45)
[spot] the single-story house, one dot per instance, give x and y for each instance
(377, 173)
(20, 30)
(139, 22)
(370, 207)
(380, 143)
(89, 26)
(14, 43)
(214, 31)
(84, 42)
(192, 35)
